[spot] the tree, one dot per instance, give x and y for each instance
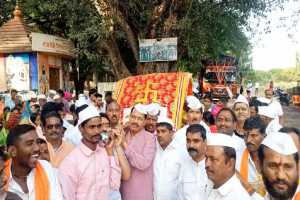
(109, 30)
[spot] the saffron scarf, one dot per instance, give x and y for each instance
(41, 182)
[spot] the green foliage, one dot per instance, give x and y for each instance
(205, 29)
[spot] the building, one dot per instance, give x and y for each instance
(33, 61)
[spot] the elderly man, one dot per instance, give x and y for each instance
(193, 177)
(139, 146)
(279, 161)
(267, 113)
(248, 165)
(220, 169)
(153, 110)
(29, 177)
(166, 164)
(90, 171)
(242, 112)
(194, 116)
(53, 132)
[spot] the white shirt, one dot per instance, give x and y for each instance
(277, 107)
(273, 126)
(241, 146)
(231, 190)
(193, 180)
(55, 190)
(73, 135)
(166, 167)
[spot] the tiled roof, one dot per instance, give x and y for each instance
(15, 35)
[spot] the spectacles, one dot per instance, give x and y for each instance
(51, 126)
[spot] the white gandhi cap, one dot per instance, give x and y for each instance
(88, 113)
(153, 109)
(241, 99)
(193, 103)
(220, 139)
(165, 120)
(141, 108)
(280, 142)
(267, 111)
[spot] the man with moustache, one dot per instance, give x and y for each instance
(248, 165)
(113, 112)
(90, 171)
(220, 160)
(53, 132)
(193, 177)
(28, 177)
(139, 146)
(153, 110)
(166, 164)
(194, 111)
(279, 161)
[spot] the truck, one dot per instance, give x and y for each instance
(220, 77)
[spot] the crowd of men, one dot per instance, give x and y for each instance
(63, 147)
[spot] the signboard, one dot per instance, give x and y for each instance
(52, 44)
(17, 71)
(152, 50)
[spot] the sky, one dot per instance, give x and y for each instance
(278, 48)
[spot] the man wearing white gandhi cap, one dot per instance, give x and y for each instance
(153, 111)
(220, 161)
(139, 146)
(166, 164)
(268, 115)
(194, 111)
(279, 159)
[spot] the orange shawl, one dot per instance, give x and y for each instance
(244, 165)
(41, 182)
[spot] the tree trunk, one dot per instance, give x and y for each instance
(118, 66)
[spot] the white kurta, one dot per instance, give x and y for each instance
(55, 190)
(193, 180)
(166, 169)
(231, 190)
(73, 135)
(273, 126)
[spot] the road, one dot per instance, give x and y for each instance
(291, 116)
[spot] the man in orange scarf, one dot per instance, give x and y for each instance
(248, 165)
(26, 176)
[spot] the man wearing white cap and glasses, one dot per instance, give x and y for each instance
(193, 177)
(153, 111)
(220, 169)
(194, 116)
(166, 164)
(279, 160)
(267, 113)
(139, 146)
(90, 171)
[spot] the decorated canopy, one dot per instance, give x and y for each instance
(167, 89)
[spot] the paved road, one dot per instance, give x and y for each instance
(291, 116)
